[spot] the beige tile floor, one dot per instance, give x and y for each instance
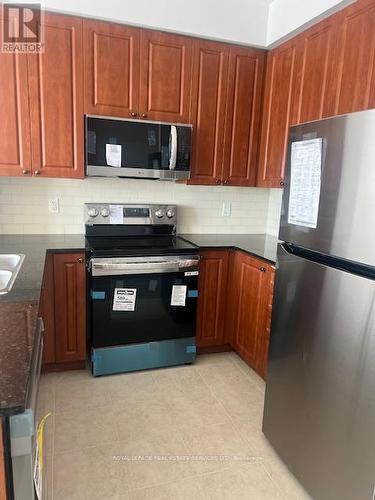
(211, 409)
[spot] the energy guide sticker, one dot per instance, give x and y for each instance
(124, 299)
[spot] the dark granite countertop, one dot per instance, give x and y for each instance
(17, 327)
(260, 245)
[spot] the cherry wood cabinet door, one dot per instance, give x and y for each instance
(111, 54)
(264, 337)
(208, 103)
(70, 306)
(244, 98)
(279, 111)
(165, 78)
(356, 64)
(212, 297)
(317, 72)
(56, 100)
(247, 314)
(15, 152)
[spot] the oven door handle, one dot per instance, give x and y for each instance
(146, 267)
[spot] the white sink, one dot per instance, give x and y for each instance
(10, 264)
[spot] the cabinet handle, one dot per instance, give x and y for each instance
(25, 172)
(37, 172)
(218, 181)
(80, 260)
(144, 115)
(282, 183)
(133, 114)
(262, 269)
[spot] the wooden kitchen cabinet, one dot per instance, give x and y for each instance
(246, 68)
(213, 278)
(247, 321)
(63, 309)
(280, 101)
(56, 100)
(111, 58)
(15, 146)
(208, 105)
(356, 62)
(165, 78)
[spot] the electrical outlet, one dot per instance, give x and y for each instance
(227, 208)
(53, 206)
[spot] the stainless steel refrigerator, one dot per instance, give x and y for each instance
(319, 412)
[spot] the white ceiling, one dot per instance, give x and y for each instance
(251, 22)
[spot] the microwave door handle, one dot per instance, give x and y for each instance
(173, 147)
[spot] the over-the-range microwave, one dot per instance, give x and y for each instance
(117, 147)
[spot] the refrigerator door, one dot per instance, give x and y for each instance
(346, 214)
(320, 400)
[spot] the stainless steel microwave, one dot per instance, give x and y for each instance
(117, 147)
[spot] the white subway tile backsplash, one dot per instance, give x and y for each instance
(24, 204)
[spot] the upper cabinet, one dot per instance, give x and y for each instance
(165, 79)
(243, 116)
(279, 99)
(226, 98)
(356, 64)
(56, 100)
(41, 98)
(209, 93)
(15, 147)
(111, 54)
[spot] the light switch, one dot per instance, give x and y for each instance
(227, 208)
(53, 206)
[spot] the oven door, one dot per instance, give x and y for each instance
(143, 299)
(135, 148)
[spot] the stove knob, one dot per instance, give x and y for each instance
(93, 212)
(159, 213)
(104, 212)
(169, 214)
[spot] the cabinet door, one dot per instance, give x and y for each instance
(70, 306)
(209, 90)
(56, 100)
(264, 337)
(357, 59)
(243, 116)
(15, 152)
(246, 318)
(212, 297)
(278, 112)
(165, 77)
(317, 74)
(111, 54)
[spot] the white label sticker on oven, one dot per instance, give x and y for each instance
(116, 214)
(113, 154)
(124, 299)
(178, 295)
(191, 273)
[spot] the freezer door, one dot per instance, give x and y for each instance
(319, 409)
(346, 215)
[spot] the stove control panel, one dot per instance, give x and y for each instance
(126, 214)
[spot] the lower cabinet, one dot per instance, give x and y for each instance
(235, 304)
(63, 309)
(213, 279)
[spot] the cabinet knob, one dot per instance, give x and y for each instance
(144, 115)
(262, 269)
(133, 114)
(226, 181)
(282, 183)
(218, 181)
(25, 172)
(80, 260)
(37, 172)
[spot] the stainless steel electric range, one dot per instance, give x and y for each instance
(143, 288)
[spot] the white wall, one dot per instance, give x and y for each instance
(243, 21)
(286, 16)
(24, 204)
